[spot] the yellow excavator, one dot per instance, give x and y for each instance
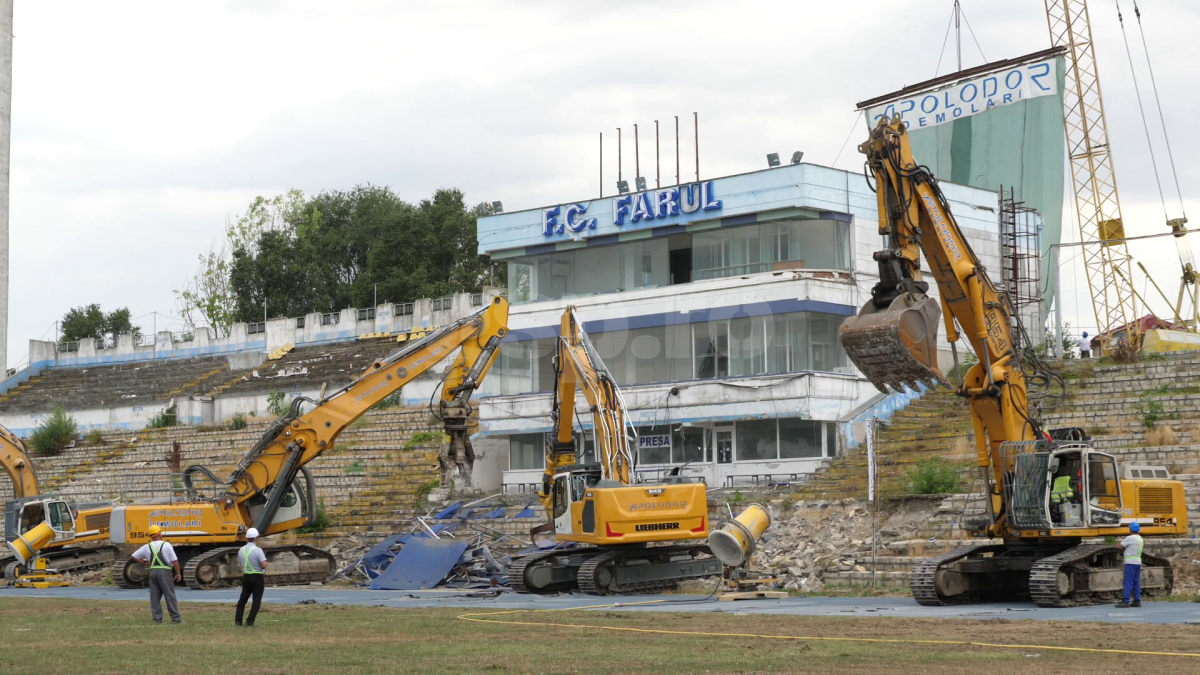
(68, 526)
(615, 522)
(272, 489)
(893, 341)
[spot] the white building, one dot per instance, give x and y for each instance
(716, 306)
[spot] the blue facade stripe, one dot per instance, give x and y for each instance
(604, 239)
(739, 220)
(539, 249)
(668, 230)
(767, 308)
(834, 215)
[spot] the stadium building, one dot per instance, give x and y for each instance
(716, 307)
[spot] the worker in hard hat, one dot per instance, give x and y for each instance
(160, 557)
(254, 568)
(1132, 547)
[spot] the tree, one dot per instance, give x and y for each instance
(89, 321)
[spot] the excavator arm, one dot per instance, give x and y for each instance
(578, 366)
(893, 339)
(298, 438)
(16, 463)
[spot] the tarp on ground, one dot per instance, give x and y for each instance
(422, 563)
(448, 512)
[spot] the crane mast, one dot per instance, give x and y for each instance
(1107, 263)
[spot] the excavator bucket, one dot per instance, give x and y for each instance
(895, 346)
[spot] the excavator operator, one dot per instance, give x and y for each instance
(1065, 489)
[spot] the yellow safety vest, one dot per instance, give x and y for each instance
(1062, 489)
(156, 563)
(247, 568)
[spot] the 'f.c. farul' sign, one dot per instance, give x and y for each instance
(638, 207)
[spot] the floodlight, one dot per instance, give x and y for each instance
(497, 207)
(773, 160)
(640, 182)
(622, 186)
(797, 156)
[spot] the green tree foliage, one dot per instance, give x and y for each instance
(90, 321)
(329, 252)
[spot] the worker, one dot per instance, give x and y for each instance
(1085, 347)
(1132, 546)
(160, 557)
(1061, 494)
(254, 567)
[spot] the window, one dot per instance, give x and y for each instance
(831, 439)
(331, 319)
(688, 445)
(402, 309)
(255, 328)
(441, 304)
(526, 452)
(60, 516)
(366, 314)
(799, 438)
(589, 271)
(756, 440)
(300, 322)
(477, 299)
(746, 346)
(711, 349)
(750, 249)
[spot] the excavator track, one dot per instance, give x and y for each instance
(67, 560)
(129, 573)
(521, 582)
(1090, 574)
(597, 575)
(204, 570)
(923, 578)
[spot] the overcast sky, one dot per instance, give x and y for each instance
(139, 128)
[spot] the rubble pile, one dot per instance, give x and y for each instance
(808, 539)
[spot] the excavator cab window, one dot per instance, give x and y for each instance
(1066, 489)
(561, 497)
(1103, 490)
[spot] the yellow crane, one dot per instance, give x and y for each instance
(893, 342)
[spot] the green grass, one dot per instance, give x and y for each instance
(45, 635)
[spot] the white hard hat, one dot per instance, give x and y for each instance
(252, 533)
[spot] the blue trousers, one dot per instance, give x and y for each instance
(1133, 582)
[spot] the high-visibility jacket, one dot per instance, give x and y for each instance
(156, 563)
(244, 554)
(1062, 490)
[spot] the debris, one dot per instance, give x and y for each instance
(422, 563)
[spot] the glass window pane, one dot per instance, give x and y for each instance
(612, 347)
(525, 451)
(775, 328)
(646, 351)
(706, 351)
(799, 438)
(688, 445)
(544, 355)
(521, 282)
(678, 352)
(756, 440)
(746, 346)
(798, 342)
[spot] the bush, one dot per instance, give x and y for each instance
(320, 521)
(277, 404)
(164, 419)
(934, 476)
(55, 433)
(238, 422)
(94, 437)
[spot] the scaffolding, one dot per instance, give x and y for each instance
(1021, 264)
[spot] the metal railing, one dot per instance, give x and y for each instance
(331, 319)
(402, 309)
(68, 346)
(255, 328)
(366, 314)
(477, 299)
(441, 304)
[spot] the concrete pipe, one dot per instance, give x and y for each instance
(734, 543)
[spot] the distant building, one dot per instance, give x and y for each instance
(716, 306)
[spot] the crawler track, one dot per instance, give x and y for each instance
(923, 578)
(1064, 580)
(520, 582)
(73, 560)
(203, 571)
(597, 571)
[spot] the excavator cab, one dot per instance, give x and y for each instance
(297, 507)
(22, 515)
(895, 345)
(1061, 487)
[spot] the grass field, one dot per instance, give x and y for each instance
(48, 636)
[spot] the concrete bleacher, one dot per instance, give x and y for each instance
(117, 385)
(374, 480)
(305, 368)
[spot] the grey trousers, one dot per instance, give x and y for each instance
(162, 585)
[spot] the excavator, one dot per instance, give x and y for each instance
(272, 489)
(69, 526)
(1046, 490)
(615, 523)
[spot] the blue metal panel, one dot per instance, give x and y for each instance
(422, 563)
